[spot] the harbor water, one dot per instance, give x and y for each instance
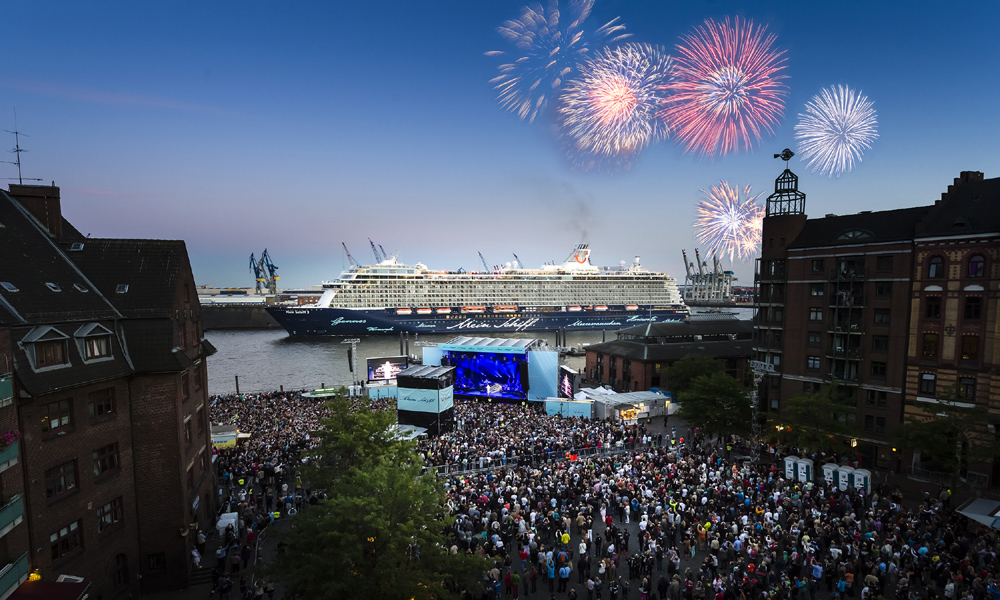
(267, 360)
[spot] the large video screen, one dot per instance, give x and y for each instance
(567, 382)
(385, 368)
(488, 375)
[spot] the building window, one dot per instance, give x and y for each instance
(101, 403)
(187, 431)
(815, 289)
(200, 415)
(57, 416)
(812, 363)
(817, 265)
(98, 347)
(928, 383)
(935, 269)
(877, 398)
(929, 348)
(60, 480)
(50, 353)
(881, 316)
(185, 386)
(105, 459)
(884, 264)
(967, 388)
(118, 571)
(970, 347)
(109, 514)
(779, 315)
(815, 340)
(973, 308)
(878, 370)
(880, 344)
(157, 562)
(190, 477)
(815, 314)
(197, 377)
(66, 540)
(869, 423)
(932, 307)
(879, 424)
(977, 266)
(883, 289)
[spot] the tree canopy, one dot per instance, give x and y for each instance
(381, 533)
(681, 375)
(816, 421)
(717, 404)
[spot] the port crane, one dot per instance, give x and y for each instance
(350, 258)
(265, 272)
(379, 257)
(485, 266)
(519, 263)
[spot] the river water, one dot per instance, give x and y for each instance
(268, 360)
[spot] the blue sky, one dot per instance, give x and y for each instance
(296, 126)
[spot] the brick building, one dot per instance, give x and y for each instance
(638, 360)
(839, 301)
(104, 362)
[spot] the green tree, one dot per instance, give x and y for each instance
(951, 432)
(382, 531)
(682, 373)
(816, 421)
(717, 404)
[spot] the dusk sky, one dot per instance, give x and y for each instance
(295, 126)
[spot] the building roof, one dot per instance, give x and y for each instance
(138, 276)
(484, 344)
(32, 261)
(425, 371)
(973, 207)
(689, 327)
(881, 226)
(50, 590)
(638, 351)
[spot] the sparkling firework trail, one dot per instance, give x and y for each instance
(727, 87)
(838, 126)
(548, 46)
(610, 110)
(730, 221)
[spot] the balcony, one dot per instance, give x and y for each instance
(844, 377)
(847, 275)
(843, 353)
(11, 514)
(13, 574)
(8, 457)
(847, 301)
(845, 326)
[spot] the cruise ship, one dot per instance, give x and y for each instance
(391, 297)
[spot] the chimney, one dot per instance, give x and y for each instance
(42, 201)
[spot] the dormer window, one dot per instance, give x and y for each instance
(52, 286)
(46, 347)
(8, 286)
(855, 234)
(94, 341)
(121, 288)
(80, 288)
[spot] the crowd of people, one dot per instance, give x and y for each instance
(661, 518)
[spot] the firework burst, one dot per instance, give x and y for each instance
(838, 126)
(548, 46)
(610, 110)
(730, 221)
(727, 87)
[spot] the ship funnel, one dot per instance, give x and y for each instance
(635, 262)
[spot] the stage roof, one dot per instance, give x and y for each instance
(495, 345)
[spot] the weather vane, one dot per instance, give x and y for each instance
(786, 155)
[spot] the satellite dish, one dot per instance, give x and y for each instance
(621, 264)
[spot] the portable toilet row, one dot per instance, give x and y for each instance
(845, 476)
(800, 469)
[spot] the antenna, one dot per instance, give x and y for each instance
(17, 151)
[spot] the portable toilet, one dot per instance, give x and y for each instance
(830, 473)
(805, 469)
(863, 479)
(791, 467)
(846, 475)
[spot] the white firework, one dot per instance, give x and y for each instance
(838, 126)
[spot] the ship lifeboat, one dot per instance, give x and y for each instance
(423, 311)
(404, 311)
(600, 308)
(473, 309)
(631, 307)
(574, 309)
(505, 308)
(443, 311)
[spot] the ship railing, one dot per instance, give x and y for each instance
(556, 456)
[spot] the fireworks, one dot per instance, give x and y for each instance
(838, 125)
(730, 221)
(727, 87)
(611, 109)
(548, 47)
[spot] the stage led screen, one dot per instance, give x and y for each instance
(488, 375)
(385, 368)
(567, 382)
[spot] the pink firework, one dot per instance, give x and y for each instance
(727, 87)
